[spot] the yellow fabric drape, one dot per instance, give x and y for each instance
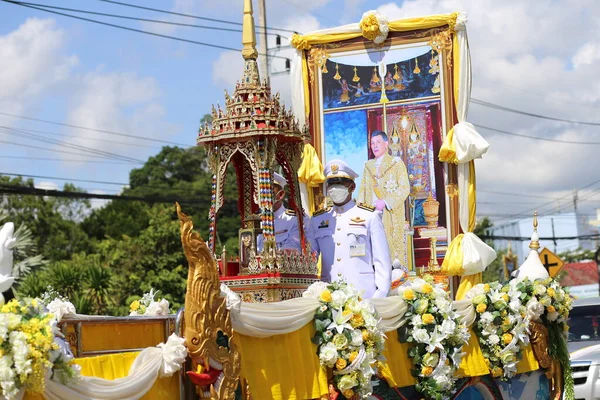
(473, 362)
(283, 366)
(397, 365)
(528, 363)
(305, 87)
(311, 174)
(115, 366)
(305, 42)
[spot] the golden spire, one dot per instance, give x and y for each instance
(535, 239)
(248, 35)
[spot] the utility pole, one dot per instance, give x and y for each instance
(553, 235)
(262, 44)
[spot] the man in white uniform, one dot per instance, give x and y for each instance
(350, 237)
(287, 235)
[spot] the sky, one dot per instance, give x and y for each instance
(539, 57)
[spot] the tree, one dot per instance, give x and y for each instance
(494, 271)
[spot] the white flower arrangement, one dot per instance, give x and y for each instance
(148, 306)
(374, 26)
(349, 336)
(31, 350)
(437, 333)
(501, 325)
(56, 304)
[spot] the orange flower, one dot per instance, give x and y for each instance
(426, 371)
(341, 363)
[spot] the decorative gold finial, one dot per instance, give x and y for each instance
(535, 240)
(248, 35)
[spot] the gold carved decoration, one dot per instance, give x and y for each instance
(442, 41)
(539, 344)
(452, 190)
(317, 56)
(207, 325)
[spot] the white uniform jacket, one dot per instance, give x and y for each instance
(352, 242)
(287, 235)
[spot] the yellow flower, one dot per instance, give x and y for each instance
(353, 356)
(551, 292)
(481, 308)
(135, 305)
(505, 297)
(550, 309)
(408, 294)
(486, 287)
(356, 320)
(365, 335)
(428, 319)
(326, 296)
(370, 27)
(497, 371)
(348, 393)
(340, 363)
(426, 371)
(426, 288)
(507, 338)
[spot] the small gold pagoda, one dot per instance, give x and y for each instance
(254, 132)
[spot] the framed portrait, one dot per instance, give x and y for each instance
(510, 262)
(403, 89)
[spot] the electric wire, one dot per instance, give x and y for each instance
(534, 137)
(86, 161)
(216, 46)
(142, 19)
(193, 16)
(503, 108)
(94, 129)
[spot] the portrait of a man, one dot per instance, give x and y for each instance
(385, 186)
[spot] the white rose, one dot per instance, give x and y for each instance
(158, 308)
(487, 317)
(367, 306)
(338, 299)
(552, 316)
(442, 304)
(539, 290)
(328, 354)
(443, 381)
(448, 327)
(61, 308)
(356, 338)
(421, 335)
(534, 309)
(315, 290)
(354, 306)
(13, 321)
(494, 339)
(416, 321)
(370, 321)
(514, 305)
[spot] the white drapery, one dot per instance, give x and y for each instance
(468, 145)
(269, 319)
(152, 363)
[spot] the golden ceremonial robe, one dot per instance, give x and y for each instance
(388, 180)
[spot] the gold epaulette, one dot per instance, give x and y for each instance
(365, 207)
(321, 211)
(290, 212)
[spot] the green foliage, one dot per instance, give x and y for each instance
(577, 255)
(494, 271)
(101, 259)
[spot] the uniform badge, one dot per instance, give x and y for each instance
(324, 224)
(357, 221)
(280, 232)
(335, 168)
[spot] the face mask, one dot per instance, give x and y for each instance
(337, 193)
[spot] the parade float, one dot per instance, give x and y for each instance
(261, 325)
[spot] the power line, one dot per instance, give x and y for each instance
(84, 137)
(141, 19)
(101, 153)
(524, 238)
(65, 179)
(193, 16)
(63, 160)
(534, 137)
(216, 46)
(29, 146)
(502, 108)
(29, 191)
(513, 194)
(93, 129)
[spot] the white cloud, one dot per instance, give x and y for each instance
(32, 61)
(47, 185)
(539, 57)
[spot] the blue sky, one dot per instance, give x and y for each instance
(56, 68)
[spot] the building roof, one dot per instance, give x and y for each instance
(580, 273)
